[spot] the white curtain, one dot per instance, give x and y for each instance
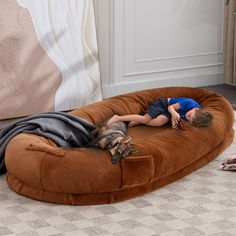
(230, 43)
(66, 31)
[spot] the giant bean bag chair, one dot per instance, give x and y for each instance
(38, 168)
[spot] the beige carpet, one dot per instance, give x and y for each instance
(202, 203)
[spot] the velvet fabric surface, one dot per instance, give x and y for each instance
(39, 169)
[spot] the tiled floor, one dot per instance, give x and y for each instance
(228, 91)
(202, 203)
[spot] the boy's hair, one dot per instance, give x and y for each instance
(202, 118)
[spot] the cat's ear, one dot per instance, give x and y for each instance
(127, 139)
(113, 150)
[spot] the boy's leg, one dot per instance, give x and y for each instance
(141, 120)
(158, 121)
(138, 119)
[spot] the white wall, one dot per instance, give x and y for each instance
(155, 43)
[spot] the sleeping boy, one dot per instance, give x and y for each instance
(164, 110)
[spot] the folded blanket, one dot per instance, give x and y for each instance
(64, 129)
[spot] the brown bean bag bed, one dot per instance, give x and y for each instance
(37, 168)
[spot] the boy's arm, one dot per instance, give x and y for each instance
(175, 117)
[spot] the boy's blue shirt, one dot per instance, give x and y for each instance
(186, 104)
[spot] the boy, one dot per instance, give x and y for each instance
(165, 109)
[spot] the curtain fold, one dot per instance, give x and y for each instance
(66, 31)
(230, 43)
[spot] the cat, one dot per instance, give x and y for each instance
(112, 137)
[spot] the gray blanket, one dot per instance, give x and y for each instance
(64, 129)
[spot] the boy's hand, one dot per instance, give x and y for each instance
(175, 120)
(175, 117)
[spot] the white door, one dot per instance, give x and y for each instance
(156, 43)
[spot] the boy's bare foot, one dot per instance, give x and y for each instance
(132, 123)
(113, 119)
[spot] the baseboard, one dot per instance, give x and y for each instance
(194, 81)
